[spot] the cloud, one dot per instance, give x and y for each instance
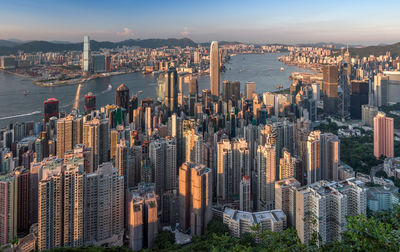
(185, 31)
(126, 32)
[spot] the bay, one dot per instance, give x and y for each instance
(263, 69)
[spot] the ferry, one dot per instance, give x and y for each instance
(109, 87)
(282, 69)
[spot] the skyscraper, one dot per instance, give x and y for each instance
(171, 90)
(214, 69)
(383, 135)
(285, 198)
(313, 157)
(122, 96)
(69, 134)
(224, 170)
(330, 156)
(245, 194)
(50, 108)
(90, 102)
(86, 54)
(195, 196)
(231, 91)
(287, 165)
(249, 89)
(266, 169)
(95, 136)
(9, 207)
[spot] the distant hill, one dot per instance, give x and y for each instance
(376, 50)
(326, 44)
(8, 43)
(58, 46)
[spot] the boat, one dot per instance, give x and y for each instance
(109, 87)
(282, 69)
(26, 92)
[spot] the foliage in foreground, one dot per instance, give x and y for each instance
(380, 232)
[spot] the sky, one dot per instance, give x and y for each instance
(280, 21)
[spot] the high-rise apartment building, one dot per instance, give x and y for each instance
(195, 196)
(224, 170)
(143, 223)
(287, 165)
(245, 194)
(322, 208)
(285, 198)
(383, 135)
(162, 153)
(330, 156)
(8, 208)
(214, 69)
(313, 161)
(95, 136)
(69, 134)
(266, 174)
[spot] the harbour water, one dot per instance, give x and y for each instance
(15, 106)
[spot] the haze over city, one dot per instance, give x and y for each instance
(290, 22)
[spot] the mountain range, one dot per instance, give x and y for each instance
(13, 46)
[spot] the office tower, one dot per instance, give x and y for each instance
(134, 165)
(240, 163)
(368, 113)
(69, 133)
(90, 102)
(95, 136)
(224, 170)
(114, 139)
(383, 135)
(231, 91)
(358, 97)
(287, 165)
(50, 109)
(104, 222)
(214, 69)
(86, 54)
(330, 87)
(22, 176)
(266, 170)
(381, 90)
(162, 154)
(122, 96)
(249, 90)
(322, 208)
(50, 209)
(132, 107)
(393, 87)
(193, 91)
(245, 194)
(316, 91)
(148, 127)
(107, 63)
(195, 196)
(241, 222)
(171, 90)
(330, 156)
(9, 208)
(98, 63)
(285, 198)
(73, 183)
(196, 57)
(313, 161)
(142, 216)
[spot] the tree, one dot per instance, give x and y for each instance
(165, 240)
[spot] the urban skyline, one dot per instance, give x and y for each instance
(172, 145)
(288, 22)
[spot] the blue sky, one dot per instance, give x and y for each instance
(286, 21)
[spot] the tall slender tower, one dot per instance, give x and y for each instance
(214, 69)
(266, 167)
(171, 90)
(86, 54)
